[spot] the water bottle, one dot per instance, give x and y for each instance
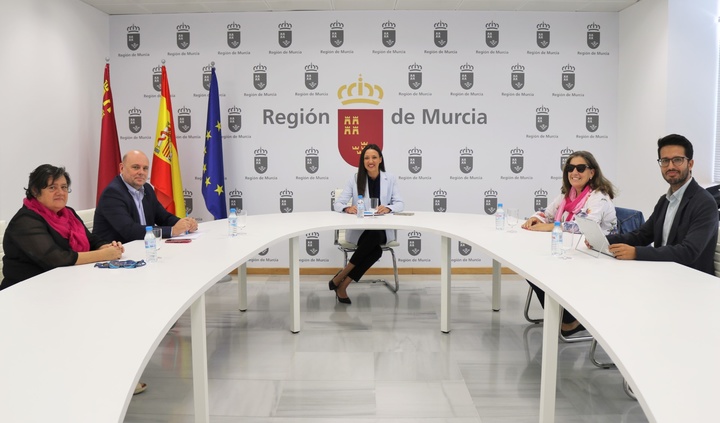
(232, 223)
(150, 245)
(500, 218)
(556, 241)
(360, 207)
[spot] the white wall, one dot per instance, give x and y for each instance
(53, 53)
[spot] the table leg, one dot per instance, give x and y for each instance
(242, 287)
(445, 284)
(294, 266)
(199, 360)
(496, 286)
(548, 375)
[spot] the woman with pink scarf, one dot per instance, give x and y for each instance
(584, 191)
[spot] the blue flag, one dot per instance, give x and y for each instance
(213, 180)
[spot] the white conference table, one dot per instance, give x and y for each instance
(75, 340)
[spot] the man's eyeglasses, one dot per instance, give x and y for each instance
(63, 188)
(580, 168)
(677, 161)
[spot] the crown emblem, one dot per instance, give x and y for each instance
(358, 149)
(337, 25)
(542, 110)
(466, 152)
(260, 68)
(568, 68)
(234, 110)
(492, 25)
(183, 27)
(541, 193)
(388, 25)
(491, 193)
(133, 28)
(567, 151)
(187, 193)
(441, 25)
(312, 151)
(233, 27)
(134, 111)
(157, 69)
(467, 68)
(592, 110)
(414, 234)
(517, 151)
(184, 111)
(311, 68)
(415, 68)
(261, 152)
(593, 27)
(313, 235)
(440, 193)
(543, 26)
(286, 193)
(207, 69)
(415, 151)
(517, 68)
(285, 25)
(360, 92)
(235, 194)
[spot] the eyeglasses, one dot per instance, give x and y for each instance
(580, 168)
(120, 264)
(53, 188)
(677, 161)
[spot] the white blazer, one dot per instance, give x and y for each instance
(389, 197)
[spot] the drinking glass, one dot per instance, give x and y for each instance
(567, 245)
(158, 238)
(374, 203)
(241, 220)
(513, 216)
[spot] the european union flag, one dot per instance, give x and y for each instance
(213, 183)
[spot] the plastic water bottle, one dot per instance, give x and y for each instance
(500, 218)
(360, 207)
(556, 241)
(150, 245)
(232, 223)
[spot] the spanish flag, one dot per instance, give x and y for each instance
(165, 176)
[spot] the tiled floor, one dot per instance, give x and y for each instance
(382, 359)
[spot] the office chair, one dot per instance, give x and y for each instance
(88, 217)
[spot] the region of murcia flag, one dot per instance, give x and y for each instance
(359, 127)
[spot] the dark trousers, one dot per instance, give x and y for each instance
(566, 317)
(367, 253)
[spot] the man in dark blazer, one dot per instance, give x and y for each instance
(684, 224)
(127, 197)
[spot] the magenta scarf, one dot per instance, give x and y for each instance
(64, 222)
(572, 203)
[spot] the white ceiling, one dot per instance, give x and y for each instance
(135, 7)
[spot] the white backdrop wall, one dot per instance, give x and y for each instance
(427, 131)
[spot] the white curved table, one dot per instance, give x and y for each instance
(75, 340)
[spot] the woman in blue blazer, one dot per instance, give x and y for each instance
(373, 182)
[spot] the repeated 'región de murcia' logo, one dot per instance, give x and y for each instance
(133, 37)
(568, 77)
(517, 76)
(466, 160)
(490, 204)
(207, 76)
(592, 119)
(337, 35)
(157, 78)
(234, 119)
(467, 76)
(312, 243)
(233, 35)
(414, 243)
(312, 161)
(187, 196)
(286, 201)
(332, 200)
(261, 160)
(542, 118)
(564, 156)
(184, 119)
(414, 160)
(135, 120)
(542, 36)
(492, 34)
(311, 76)
(440, 35)
(389, 38)
(440, 201)
(593, 35)
(464, 249)
(415, 76)
(517, 161)
(236, 201)
(260, 77)
(285, 34)
(183, 36)
(540, 200)
(264, 252)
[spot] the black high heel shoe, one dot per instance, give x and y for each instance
(342, 300)
(331, 284)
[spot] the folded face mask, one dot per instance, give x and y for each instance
(120, 264)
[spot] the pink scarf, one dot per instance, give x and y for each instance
(64, 222)
(572, 203)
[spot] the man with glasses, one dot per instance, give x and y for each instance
(684, 224)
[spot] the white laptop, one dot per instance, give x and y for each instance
(594, 235)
